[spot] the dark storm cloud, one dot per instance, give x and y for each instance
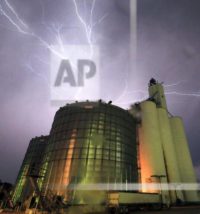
(168, 49)
(25, 65)
(168, 46)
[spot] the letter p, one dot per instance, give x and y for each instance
(90, 72)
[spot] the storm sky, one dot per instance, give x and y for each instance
(168, 33)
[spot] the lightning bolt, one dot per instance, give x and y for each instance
(88, 27)
(30, 68)
(59, 50)
(175, 84)
(178, 93)
(143, 94)
(22, 27)
(16, 15)
(183, 94)
(12, 21)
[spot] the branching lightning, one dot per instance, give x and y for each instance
(178, 93)
(174, 84)
(143, 94)
(88, 27)
(59, 49)
(12, 21)
(9, 12)
(183, 94)
(23, 28)
(16, 15)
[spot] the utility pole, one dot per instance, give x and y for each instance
(159, 177)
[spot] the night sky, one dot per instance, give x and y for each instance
(168, 45)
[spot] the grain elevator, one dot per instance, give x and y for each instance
(100, 143)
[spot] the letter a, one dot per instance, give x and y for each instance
(65, 66)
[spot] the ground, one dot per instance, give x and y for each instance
(174, 210)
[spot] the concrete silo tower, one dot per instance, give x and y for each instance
(184, 160)
(156, 93)
(176, 152)
(150, 149)
(164, 155)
